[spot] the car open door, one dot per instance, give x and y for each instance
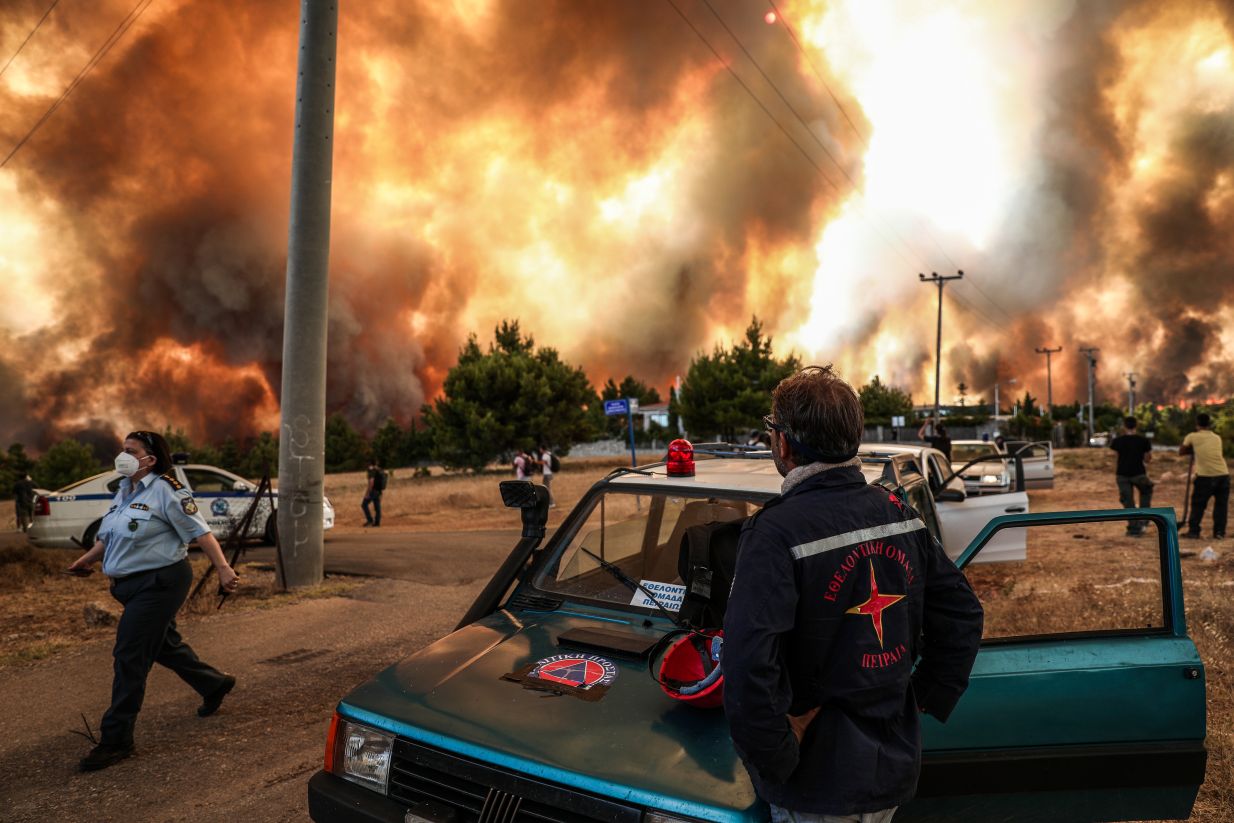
(962, 520)
(1038, 464)
(1087, 698)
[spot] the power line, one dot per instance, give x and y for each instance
(864, 141)
(753, 96)
(115, 37)
(809, 159)
(28, 36)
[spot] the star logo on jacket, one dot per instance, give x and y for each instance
(874, 607)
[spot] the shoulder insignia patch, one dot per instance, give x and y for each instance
(141, 507)
(189, 505)
(171, 479)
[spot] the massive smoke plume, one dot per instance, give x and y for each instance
(592, 169)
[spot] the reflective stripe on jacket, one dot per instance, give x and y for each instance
(839, 588)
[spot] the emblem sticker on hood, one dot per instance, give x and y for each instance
(586, 676)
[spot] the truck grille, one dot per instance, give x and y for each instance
(482, 794)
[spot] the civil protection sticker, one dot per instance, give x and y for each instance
(582, 671)
(669, 595)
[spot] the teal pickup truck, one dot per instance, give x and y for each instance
(1087, 700)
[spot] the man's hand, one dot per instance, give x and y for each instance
(83, 562)
(801, 722)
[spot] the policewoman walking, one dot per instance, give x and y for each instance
(143, 544)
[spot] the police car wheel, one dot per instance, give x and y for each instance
(92, 531)
(270, 536)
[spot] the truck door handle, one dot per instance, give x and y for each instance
(1014, 510)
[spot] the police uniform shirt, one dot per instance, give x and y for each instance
(149, 525)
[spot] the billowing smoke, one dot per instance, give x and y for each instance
(588, 168)
(592, 169)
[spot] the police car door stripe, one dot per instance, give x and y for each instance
(852, 538)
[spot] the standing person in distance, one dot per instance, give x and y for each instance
(546, 472)
(938, 438)
(23, 499)
(372, 494)
(1212, 477)
(1135, 452)
(143, 542)
(846, 620)
(521, 459)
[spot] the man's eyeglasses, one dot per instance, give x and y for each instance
(771, 425)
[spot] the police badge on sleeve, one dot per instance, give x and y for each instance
(189, 505)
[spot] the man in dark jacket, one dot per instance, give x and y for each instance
(839, 588)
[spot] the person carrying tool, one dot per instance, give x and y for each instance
(1212, 477)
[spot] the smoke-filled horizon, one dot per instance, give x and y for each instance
(593, 170)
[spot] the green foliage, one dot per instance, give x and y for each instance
(14, 464)
(66, 462)
(346, 450)
(729, 390)
(394, 446)
(512, 396)
(881, 402)
(260, 452)
(962, 389)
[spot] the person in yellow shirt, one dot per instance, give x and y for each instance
(1212, 477)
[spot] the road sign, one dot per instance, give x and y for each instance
(897, 420)
(615, 407)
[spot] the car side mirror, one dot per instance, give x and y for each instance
(950, 496)
(241, 486)
(532, 498)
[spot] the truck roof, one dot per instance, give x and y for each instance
(751, 472)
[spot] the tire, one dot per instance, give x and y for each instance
(92, 532)
(270, 534)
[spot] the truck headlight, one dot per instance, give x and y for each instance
(363, 755)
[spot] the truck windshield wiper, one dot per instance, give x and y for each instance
(631, 584)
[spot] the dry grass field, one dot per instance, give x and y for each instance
(1115, 576)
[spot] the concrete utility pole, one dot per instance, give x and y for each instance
(302, 437)
(1049, 377)
(1130, 392)
(1091, 356)
(938, 340)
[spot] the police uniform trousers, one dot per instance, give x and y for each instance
(147, 635)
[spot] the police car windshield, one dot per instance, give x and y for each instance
(640, 533)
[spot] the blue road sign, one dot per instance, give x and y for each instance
(615, 407)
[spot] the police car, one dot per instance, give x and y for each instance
(71, 516)
(541, 706)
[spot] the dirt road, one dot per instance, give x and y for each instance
(251, 760)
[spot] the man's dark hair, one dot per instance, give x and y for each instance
(1203, 420)
(819, 411)
(156, 445)
(1130, 422)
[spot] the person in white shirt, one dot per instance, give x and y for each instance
(520, 465)
(546, 466)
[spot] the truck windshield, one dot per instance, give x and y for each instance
(642, 535)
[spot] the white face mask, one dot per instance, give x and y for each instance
(127, 464)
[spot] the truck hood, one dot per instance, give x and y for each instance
(635, 744)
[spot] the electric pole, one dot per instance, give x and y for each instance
(303, 398)
(1049, 377)
(939, 281)
(1130, 392)
(1091, 356)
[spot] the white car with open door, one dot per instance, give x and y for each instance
(1038, 459)
(994, 476)
(961, 516)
